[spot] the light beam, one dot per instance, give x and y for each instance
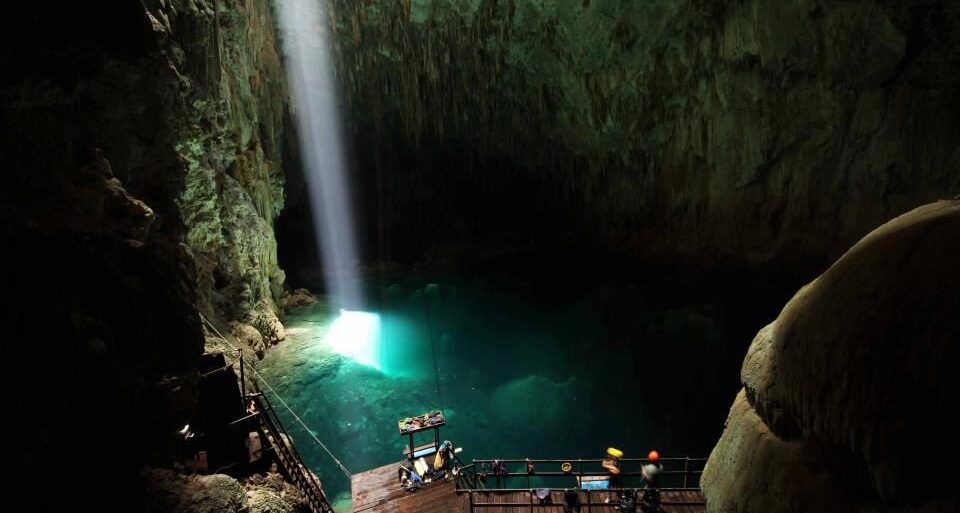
(308, 47)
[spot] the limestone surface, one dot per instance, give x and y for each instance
(853, 387)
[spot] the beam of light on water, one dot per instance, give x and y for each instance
(357, 336)
(308, 48)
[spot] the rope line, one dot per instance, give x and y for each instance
(306, 428)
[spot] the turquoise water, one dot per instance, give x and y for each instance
(523, 371)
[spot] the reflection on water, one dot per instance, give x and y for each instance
(521, 375)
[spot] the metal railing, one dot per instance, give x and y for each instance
(287, 456)
(593, 498)
(285, 453)
(680, 473)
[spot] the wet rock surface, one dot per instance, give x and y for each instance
(679, 130)
(183, 110)
(142, 145)
(171, 492)
(849, 393)
(299, 297)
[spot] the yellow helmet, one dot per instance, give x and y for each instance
(615, 453)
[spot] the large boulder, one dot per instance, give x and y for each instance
(171, 492)
(249, 337)
(176, 493)
(848, 396)
(270, 493)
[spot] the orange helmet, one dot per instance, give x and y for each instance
(654, 456)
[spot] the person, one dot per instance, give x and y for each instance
(651, 470)
(612, 465)
(410, 480)
(444, 456)
(650, 497)
(403, 472)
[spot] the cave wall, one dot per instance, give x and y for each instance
(744, 131)
(184, 101)
(142, 146)
(848, 397)
(230, 144)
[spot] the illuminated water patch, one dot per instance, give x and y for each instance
(356, 335)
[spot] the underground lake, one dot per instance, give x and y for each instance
(550, 366)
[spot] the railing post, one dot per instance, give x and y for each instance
(243, 385)
(470, 493)
(589, 501)
(686, 470)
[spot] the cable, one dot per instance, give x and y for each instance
(340, 465)
(215, 330)
(433, 346)
(299, 421)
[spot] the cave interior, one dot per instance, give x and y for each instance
(720, 229)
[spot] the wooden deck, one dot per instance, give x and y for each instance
(378, 491)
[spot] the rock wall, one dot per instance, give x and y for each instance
(186, 106)
(848, 396)
(230, 141)
(739, 130)
(142, 146)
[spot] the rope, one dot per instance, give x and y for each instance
(309, 431)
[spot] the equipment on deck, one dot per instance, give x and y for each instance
(543, 495)
(571, 501)
(427, 422)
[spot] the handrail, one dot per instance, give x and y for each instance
(604, 497)
(584, 490)
(264, 382)
(674, 469)
(585, 460)
(289, 458)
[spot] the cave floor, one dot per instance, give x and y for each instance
(378, 491)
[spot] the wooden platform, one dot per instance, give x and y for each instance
(378, 491)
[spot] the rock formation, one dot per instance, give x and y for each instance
(142, 144)
(848, 397)
(184, 108)
(218, 493)
(748, 131)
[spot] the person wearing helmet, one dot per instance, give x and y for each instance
(612, 466)
(650, 496)
(651, 470)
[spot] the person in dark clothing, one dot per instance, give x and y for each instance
(650, 493)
